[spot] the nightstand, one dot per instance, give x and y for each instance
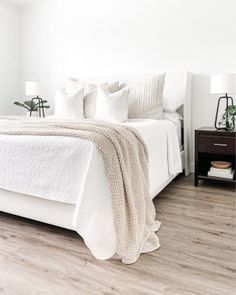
(210, 145)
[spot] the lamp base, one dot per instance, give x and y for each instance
(40, 106)
(227, 124)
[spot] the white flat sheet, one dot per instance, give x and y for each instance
(72, 171)
(177, 120)
(178, 128)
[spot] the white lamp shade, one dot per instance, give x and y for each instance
(32, 88)
(221, 84)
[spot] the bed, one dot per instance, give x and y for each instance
(97, 228)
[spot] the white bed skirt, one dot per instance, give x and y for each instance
(50, 212)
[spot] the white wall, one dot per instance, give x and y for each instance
(9, 58)
(62, 38)
(87, 38)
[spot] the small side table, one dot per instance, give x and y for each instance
(213, 145)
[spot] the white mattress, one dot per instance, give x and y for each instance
(93, 216)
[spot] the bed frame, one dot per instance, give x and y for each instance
(51, 212)
(180, 84)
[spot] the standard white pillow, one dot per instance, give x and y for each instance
(112, 106)
(69, 105)
(173, 117)
(146, 97)
(90, 93)
(172, 104)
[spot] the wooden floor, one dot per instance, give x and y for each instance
(197, 254)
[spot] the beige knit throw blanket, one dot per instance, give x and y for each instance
(126, 164)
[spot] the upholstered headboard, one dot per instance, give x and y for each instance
(180, 85)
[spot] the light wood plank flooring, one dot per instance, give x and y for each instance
(197, 254)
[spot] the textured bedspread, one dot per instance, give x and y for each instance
(126, 163)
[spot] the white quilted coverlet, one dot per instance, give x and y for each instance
(71, 170)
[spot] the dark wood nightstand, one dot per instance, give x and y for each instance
(210, 145)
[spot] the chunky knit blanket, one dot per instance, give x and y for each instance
(126, 163)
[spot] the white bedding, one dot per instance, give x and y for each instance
(178, 128)
(177, 120)
(72, 171)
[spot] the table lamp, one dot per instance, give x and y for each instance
(223, 84)
(32, 89)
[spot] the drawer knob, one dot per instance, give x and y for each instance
(221, 144)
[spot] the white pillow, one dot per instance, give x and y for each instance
(172, 104)
(90, 93)
(173, 117)
(146, 97)
(112, 106)
(69, 106)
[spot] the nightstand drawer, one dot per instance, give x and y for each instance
(216, 144)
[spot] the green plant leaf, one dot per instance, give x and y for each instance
(232, 110)
(45, 107)
(22, 105)
(28, 103)
(31, 105)
(44, 101)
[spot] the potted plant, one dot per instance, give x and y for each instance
(229, 113)
(32, 107)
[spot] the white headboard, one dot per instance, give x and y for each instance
(177, 84)
(180, 85)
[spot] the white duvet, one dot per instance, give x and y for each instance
(72, 171)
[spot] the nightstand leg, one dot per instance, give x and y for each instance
(196, 181)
